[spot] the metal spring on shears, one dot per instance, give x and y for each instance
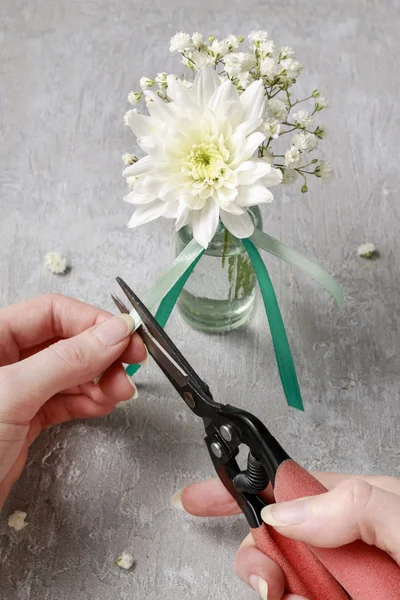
(254, 479)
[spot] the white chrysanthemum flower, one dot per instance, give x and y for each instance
(245, 79)
(269, 68)
(125, 561)
(289, 176)
(238, 62)
(198, 40)
(127, 115)
(233, 41)
(292, 67)
(267, 48)
(134, 97)
(303, 140)
(321, 103)
(302, 118)
(200, 164)
(129, 159)
(366, 250)
(272, 128)
(277, 109)
(256, 37)
(292, 157)
(181, 42)
(219, 48)
(146, 82)
(324, 170)
(132, 181)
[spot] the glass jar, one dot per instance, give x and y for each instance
(220, 294)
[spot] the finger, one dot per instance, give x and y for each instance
(332, 480)
(116, 384)
(354, 510)
(52, 315)
(65, 407)
(258, 571)
(206, 499)
(27, 385)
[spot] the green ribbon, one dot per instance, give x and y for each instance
(283, 354)
(275, 247)
(170, 285)
(188, 259)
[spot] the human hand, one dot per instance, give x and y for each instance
(51, 349)
(354, 508)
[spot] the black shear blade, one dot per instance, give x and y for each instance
(160, 345)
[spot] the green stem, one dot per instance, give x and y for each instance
(225, 248)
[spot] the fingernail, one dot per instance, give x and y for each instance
(114, 330)
(176, 500)
(263, 588)
(145, 362)
(259, 585)
(287, 513)
(97, 379)
(135, 395)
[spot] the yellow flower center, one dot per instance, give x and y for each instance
(206, 161)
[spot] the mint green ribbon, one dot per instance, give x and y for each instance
(283, 354)
(275, 247)
(170, 285)
(181, 268)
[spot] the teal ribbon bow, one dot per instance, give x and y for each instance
(168, 288)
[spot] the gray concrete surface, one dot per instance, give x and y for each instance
(93, 489)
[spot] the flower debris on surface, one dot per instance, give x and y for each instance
(17, 520)
(56, 263)
(125, 561)
(367, 250)
(217, 139)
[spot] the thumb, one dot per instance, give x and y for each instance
(27, 385)
(354, 510)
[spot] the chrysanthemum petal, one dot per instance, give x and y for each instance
(248, 148)
(140, 124)
(247, 127)
(144, 165)
(253, 101)
(274, 177)
(250, 195)
(183, 216)
(158, 108)
(226, 92)
(135, 198)
(206, 82)
(241, 226)
(251, 171)
(205, 222)
(146, 213)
